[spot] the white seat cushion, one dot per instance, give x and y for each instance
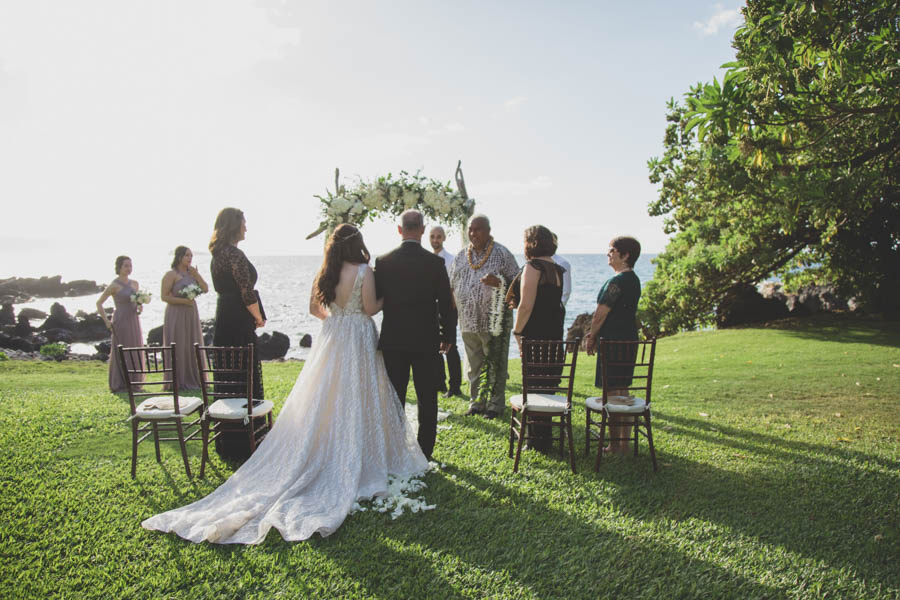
(163, 407)
(617, 404)
(232, 409)
(547, 403)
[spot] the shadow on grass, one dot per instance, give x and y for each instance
(843, 328)
(817, 506)
(505, 535)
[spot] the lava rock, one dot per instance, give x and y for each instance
(90, 327)
(273, 346)
(23, 328)
(155, 336)
(46, 287)
(580, 328)
(59, 319)
(306, 341)
(7, 315)
(744, 304)
(59, 335)
(16, 343)
(32, 314)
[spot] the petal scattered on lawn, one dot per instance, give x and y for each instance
(771, 395)
(703, 414)
(838, 415)
(843, 439)
(878, 537)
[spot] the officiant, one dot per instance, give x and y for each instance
(476, 272)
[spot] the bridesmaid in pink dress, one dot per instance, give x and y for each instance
(182, 321)
(125, 325)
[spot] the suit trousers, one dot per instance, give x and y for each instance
(424, 372)
(477, 345)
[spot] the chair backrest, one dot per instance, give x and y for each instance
(226, 372)
(548, 367)
(150, 368)
(618, 358)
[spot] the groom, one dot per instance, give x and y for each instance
(416, 292)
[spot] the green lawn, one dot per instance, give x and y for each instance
(779, 478)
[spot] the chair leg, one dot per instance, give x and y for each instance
(512, 420)
(568, 419)
(650, 440)
(204, 455)
(523, 425)
(134, 447)
(562, 427)
(156, 441)
(636, 417)
(252, 436)
(587, 431)
(187, 465)
(603, 418)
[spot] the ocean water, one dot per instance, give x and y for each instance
(284, 284)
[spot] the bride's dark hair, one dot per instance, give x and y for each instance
(344, 245)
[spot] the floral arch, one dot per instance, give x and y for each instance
(393, 194)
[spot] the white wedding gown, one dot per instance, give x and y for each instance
(341, 431)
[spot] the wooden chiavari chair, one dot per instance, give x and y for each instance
(226, 373)
(546, 398)
(160, 410)
(632, 409)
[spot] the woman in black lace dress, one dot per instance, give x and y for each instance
(239, 311)
(540, 310)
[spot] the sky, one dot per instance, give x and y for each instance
(126, 125)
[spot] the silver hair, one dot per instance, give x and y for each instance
(412, 220)
(480, 217)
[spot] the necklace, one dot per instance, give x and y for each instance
(487, 254)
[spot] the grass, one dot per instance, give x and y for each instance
(779, 478)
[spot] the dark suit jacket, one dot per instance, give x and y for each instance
(416, 292)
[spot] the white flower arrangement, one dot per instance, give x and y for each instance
(190, 291)
(141, 297)
(497, 309)
(398, 497)
(392, 195)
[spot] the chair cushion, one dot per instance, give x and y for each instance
(547, 403)
(163, 407)
(232, 409)
(617, 404)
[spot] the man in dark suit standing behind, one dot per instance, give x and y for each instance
(416, 292)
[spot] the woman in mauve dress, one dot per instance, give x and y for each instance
(181, 325)
(125, 325)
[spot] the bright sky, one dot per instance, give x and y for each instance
(126, 125)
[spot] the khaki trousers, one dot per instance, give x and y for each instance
(476, 346)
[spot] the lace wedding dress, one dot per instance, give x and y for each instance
(341, 431)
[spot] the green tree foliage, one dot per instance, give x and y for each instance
(788, 166)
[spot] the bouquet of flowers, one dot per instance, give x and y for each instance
(141, 297)
(190, 291)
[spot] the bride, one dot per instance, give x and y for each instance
(341, 431)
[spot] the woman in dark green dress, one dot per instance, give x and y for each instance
(616, 319)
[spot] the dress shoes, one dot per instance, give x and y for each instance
(473, 411)
(451, 393)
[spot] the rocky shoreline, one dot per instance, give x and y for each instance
(20, 340)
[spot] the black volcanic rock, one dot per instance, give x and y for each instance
(7, 315)
(580, 328)
(273, 346)
(16, 343)
(59, 319)
(59, 335)
(306, 341)
(744, 304)
(155, 336)
(46, 287)
(32, 314)
(23, 327)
